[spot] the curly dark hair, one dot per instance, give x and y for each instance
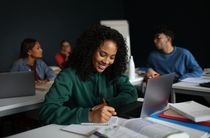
(86, 46)
(165, 30)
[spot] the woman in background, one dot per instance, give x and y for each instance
(62, 56)
(93, 84)
(30, 60)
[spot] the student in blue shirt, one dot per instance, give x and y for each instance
(30, 60)
(168, 58)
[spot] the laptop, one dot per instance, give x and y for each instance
(157, 94)
(15, 84)
(155, 99)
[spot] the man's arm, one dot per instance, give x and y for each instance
(151, 73)
(193, 68)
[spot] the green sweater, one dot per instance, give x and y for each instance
(70, 99)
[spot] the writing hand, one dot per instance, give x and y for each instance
(101, 114)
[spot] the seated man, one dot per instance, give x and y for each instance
(169, 58)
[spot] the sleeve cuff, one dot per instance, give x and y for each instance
(84, 115)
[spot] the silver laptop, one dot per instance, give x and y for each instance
(15, 84)
(157, 94)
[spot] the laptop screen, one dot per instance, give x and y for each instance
(15, 84)
(157, 94)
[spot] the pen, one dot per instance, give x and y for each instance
(99, 135)
(104, 102)
(95, 124)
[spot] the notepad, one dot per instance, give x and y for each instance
(80, 129)
(87, 128)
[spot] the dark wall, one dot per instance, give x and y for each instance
(189, 20)
(50, 22)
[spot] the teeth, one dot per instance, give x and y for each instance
(102, 67)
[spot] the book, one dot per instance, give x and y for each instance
(116, 132)
(171, 114)
(132, 128)
(192, 110)
(140, 128)
(201, 128)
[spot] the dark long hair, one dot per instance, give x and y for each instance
(86, 46)
(26, 45)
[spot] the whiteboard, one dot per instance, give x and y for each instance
(123, 27)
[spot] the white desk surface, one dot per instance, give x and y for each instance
(10, 106)
(190, 86)
(14, 105)
(53, 131)
(49, 131)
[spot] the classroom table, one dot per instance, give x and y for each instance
(54, 131)
(189, 88)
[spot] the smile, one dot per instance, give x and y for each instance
(102, 67)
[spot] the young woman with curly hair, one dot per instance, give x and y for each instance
(94, 74)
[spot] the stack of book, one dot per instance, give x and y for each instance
(190, 114)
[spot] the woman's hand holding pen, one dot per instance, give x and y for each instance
(104, 103)
(101, 113)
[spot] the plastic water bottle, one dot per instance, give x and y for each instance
(131, 69)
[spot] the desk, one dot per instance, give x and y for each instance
(189, 88)
(15, 105)
(49, 131)
(9, 106)
(53, 131)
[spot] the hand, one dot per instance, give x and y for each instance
(99, 106)
(65, 53)
(101, 114)
(152, 74)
